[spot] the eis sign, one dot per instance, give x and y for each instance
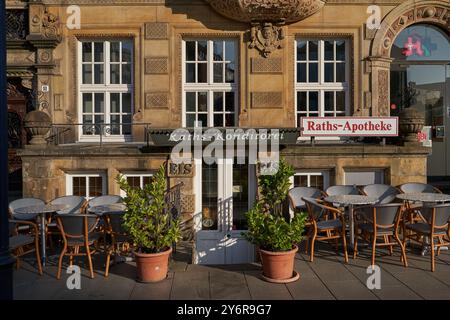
(349, 126)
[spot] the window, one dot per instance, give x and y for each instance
(315, 179)
(363, 177)
(421, 42)
(322, 78)
(106, 88)
(86, 185)
(210, 83)
(138, 180)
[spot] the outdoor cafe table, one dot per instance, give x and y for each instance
(350, 201)
(424, 197)
(115, 208)
(31, 212)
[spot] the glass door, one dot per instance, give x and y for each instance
(225, 191)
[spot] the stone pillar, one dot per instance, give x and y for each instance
(380, 68)
(45, 35)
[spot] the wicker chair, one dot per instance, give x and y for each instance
(434, 225)
(383, 221)
(320, 229)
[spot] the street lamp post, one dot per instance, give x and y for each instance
(6, 260)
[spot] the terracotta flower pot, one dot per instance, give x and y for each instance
(152, 267)
(279, 266)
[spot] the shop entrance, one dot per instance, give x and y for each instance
(224, 191)
(420, 79)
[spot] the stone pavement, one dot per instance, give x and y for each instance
(328, 277)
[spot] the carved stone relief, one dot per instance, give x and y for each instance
(270, 65)
(156, 100)
(270, 100)
(266, 37)
(267, 18)
(16, 24)
(156, 65)
(156, 31)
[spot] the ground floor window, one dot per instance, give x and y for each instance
(363, 177)
(138, 180)
(315, 179)
(88, 185)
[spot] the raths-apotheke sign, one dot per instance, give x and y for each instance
(349, 126)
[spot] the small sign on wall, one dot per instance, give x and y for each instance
(179, 170)
(349, 126)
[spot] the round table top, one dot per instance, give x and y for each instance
(116, 208)
(350, 199)
(30, 212)
(424, 197)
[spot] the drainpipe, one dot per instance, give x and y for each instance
(6, 260)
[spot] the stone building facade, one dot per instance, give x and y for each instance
(134, 70)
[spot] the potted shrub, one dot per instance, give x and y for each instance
(150, 226)
(275, 237)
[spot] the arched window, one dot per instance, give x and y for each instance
(421, 43)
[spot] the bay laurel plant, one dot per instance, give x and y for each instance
(267, 228)
(147, 220)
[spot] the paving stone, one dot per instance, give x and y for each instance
(153, 291)
(309, 289)
(190, 285)
(228, 285)
(263, 290)
(399, 292)
(424, 285)
(350, 290)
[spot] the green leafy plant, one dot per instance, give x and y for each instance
(147, 220)
(272, 232)
(274, 188)
(267, 228)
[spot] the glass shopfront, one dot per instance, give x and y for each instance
(420, 79)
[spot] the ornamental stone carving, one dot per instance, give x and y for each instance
(266, 37)
(50, 26)
(288, 11)
(16, 24)
(267, 18)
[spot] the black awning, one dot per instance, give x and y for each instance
(171, 137)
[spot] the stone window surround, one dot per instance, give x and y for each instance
(136, 174)
(101, 35)
(177, 61)
(87, 174)
(210, 87)
(308, 173)
(349, 37)
(106, 87)
(321, 85)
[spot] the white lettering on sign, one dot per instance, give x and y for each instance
(346, 126)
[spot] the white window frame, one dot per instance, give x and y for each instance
(140, 175)
(210, 86)
(321, 86)
(105, 88)
(324, 173)
(87, 175)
